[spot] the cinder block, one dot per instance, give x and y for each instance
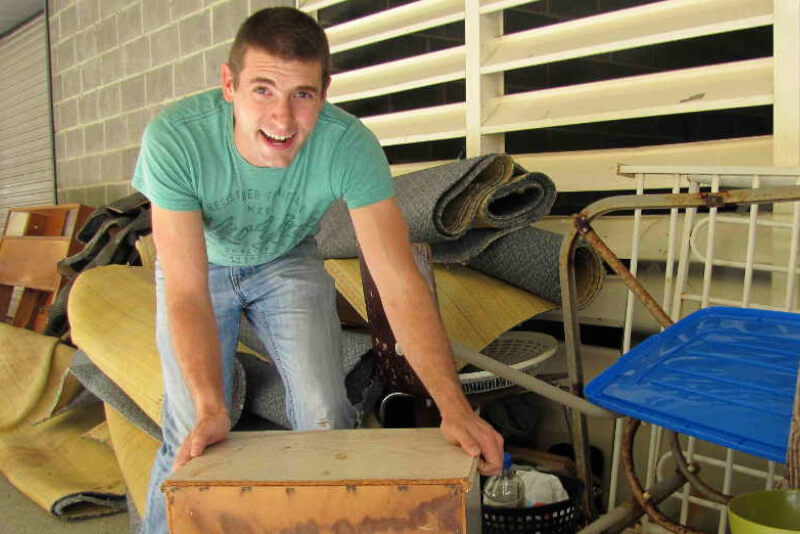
(195, 32)
(68, 172)
(129, 157)
(61, 145)
(87, 107)
(213, 59)
(133, 93)
(257, 5)
(94, 138)
(136, 56)
(129, 22)
(107, 34)
(96, 196)
(189, 75)
(227, 19)
(55, 27)
(137, 122)
(155, 13)
(111, 67)
(85, 45)
(66, 54)
(111, 166)
(109, 100)
(72, 82)
(88, 13)
(90, 170)
(69, 21)
(73, 143)
(111, 7)
(116, 191)
(116, 133)
(57, 86)
(77, 195)
(164, 45)
(90, 74)
(159, 84)
(66, 114)
(181, 8)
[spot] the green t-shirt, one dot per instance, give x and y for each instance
(188, 161)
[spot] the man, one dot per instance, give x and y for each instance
(239, 179)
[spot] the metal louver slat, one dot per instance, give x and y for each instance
(728, 85)
(627, 28)
(402, 20)
(418, 125)
(402, 75)
(26, 169)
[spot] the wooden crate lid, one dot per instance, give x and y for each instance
(336, 457)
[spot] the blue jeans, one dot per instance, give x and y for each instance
(291, 303)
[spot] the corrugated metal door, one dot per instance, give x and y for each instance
(26, 165)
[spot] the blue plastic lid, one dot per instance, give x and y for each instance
(506, 460)
(725, 375)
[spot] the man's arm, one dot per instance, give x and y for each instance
(181, 250)
(383, 237)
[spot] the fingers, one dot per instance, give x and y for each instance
(184, 454)
(477, 438)
(491, 444)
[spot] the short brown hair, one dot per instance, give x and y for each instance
(285, 32)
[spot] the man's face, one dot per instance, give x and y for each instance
(275, 106)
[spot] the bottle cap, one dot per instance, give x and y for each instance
(506, 460)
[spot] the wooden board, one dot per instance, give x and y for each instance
(31, 262)
(395, 481)
(363, 456)
(322, 510)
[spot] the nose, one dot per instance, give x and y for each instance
(282, 115)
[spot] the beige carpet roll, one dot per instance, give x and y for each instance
(24, 370)
(136, 452)
(49, 461)
(112, 314)
(475, 308)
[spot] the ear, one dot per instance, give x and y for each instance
(227, 79)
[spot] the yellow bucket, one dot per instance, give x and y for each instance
(765, 512)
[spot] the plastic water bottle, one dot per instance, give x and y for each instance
(505, 490)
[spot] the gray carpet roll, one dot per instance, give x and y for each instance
(529, 258)
(459, 208)
(94, 380)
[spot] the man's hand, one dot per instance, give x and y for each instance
(208, 430)
(476, 438)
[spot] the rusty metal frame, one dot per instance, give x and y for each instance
(582, 228)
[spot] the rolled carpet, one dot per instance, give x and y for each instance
(112, 314)
(529, 259)
(50, 461)
(459, 208)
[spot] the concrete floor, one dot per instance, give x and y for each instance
(19, 515)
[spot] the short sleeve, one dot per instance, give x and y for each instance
(361, 168)
(163, 172)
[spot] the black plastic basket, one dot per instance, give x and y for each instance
(556, 518)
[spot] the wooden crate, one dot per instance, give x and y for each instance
(35, 239)
(339, 482)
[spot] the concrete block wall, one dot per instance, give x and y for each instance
(115, 65)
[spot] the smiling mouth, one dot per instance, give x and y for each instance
(277, 140)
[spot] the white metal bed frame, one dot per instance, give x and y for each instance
(682, 249)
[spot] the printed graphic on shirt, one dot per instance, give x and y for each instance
(253, 223)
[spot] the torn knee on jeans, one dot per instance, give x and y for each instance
(324, 423)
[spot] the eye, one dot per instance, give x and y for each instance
(261, 90)
(304, 94)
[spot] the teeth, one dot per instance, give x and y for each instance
(277, 137)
